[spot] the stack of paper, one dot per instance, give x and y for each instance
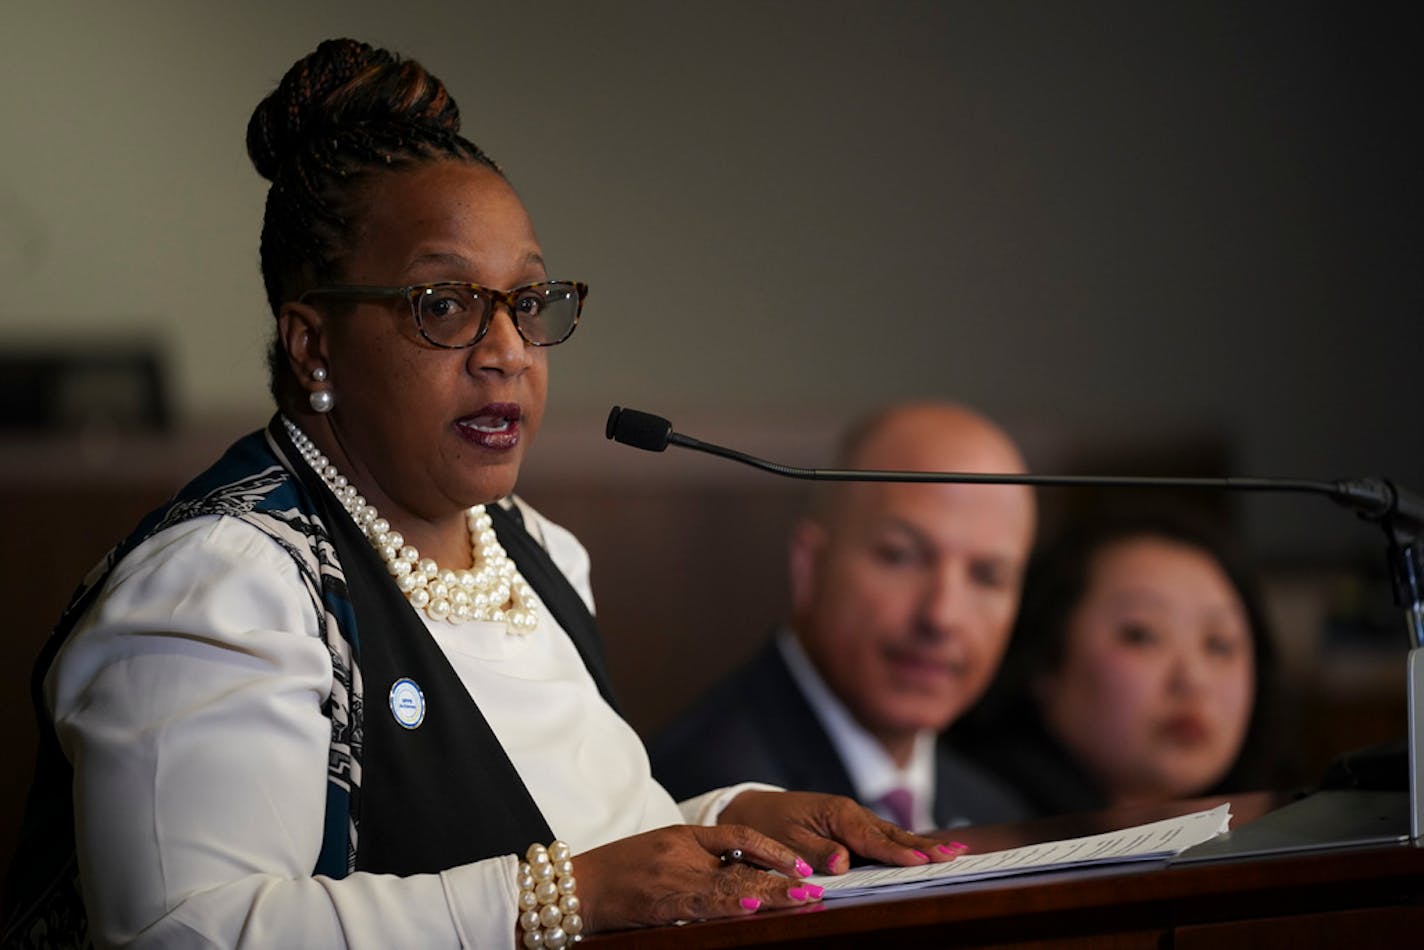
(1155, 841)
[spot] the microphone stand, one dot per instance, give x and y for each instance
(1406, 559)
(1397, 511)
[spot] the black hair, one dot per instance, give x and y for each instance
(343, 113)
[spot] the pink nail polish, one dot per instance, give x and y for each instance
(945, 849)
(804, 869)
(835, 859)
(751, 903)
(959, 846)
(921, 854)
(797, 893)
(815, 890)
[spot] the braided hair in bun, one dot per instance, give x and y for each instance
(342, 114)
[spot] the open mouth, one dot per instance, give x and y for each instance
(495, 426)
(485, 424)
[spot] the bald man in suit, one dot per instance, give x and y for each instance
(902, 597)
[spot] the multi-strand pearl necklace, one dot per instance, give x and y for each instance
(490, 590)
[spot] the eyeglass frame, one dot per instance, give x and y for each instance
(413, 292)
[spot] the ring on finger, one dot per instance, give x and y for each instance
(730, 856)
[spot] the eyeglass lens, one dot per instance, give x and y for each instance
(453, 314)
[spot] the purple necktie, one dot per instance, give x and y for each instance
(901, 806)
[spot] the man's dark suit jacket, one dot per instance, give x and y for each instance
(757, 726)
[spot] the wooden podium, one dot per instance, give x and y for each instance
(1363, 890)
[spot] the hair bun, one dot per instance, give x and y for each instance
(343, 83)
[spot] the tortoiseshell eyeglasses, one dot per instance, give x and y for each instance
(454, 314)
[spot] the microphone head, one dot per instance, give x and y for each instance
(642, 430)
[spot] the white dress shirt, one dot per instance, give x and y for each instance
(189, 700)
(873, 772)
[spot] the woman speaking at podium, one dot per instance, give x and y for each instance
(346, 688)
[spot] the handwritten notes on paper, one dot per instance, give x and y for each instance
(1155, 841)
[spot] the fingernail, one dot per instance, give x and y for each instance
(959, 846)
(751, 903)
(835, 859)
(921, 854)
(797, 893)
(815, 890)
(944, 849)
(804, 869)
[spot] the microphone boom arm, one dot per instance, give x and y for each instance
(986, 478)
(1399, 512)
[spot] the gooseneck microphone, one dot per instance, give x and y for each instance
(1373, 498)
(1399, 512)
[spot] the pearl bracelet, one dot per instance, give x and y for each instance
(548, 908)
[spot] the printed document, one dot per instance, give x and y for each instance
(1156, 841)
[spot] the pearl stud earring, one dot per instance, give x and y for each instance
(321, 400)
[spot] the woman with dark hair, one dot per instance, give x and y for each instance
(346, 687)
(1140, 670)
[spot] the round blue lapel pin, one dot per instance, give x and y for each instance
(407, 703)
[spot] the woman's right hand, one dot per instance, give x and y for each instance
(676, 873)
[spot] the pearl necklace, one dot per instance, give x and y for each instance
(491, 590)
